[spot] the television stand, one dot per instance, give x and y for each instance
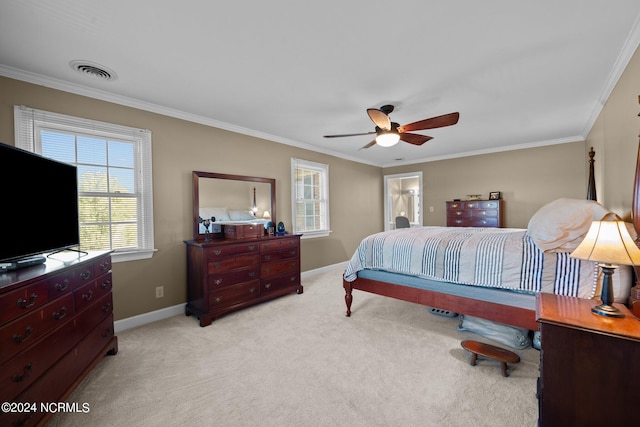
(23, 263)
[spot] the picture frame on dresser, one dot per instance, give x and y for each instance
(494, 195)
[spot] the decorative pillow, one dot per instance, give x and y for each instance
(561, 225)
(241, 215)
(512, 336)
(220, 214)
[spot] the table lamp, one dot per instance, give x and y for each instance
(609, 244)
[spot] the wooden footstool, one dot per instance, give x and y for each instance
(491, 352)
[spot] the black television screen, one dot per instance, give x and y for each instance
(39, 212)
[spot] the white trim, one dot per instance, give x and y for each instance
(150, 317)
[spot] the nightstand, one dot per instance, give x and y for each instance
(587, 374)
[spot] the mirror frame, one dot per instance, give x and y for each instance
(196, 175)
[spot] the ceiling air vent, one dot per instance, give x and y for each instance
(93, 70)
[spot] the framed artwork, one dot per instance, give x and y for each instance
(494, 195)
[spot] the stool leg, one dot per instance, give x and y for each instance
(474, 358)
(503, 365)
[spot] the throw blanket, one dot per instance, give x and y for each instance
(504, 258)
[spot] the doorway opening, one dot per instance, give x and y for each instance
(402, 197)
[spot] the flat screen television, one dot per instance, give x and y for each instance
(39, 212)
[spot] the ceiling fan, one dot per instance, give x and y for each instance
(388, 133)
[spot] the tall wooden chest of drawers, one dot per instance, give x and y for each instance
(56, 324)
(226, 275)
(475, 213)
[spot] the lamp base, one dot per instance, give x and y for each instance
(607, 311)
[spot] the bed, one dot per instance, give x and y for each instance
(489, 273)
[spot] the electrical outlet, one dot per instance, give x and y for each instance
(430, 208)
(159, 291)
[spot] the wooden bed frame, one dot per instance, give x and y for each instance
(502, 313)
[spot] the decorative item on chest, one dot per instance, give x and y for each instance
(243, 231)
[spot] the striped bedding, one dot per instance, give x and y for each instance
(504, 258)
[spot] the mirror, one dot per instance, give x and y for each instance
(230, 198)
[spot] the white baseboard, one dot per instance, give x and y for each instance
(163, 313)
(143, 319)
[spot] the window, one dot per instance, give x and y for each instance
(115, 198)
(310, 192)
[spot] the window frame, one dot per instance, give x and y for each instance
(323, 169)
(29, 122)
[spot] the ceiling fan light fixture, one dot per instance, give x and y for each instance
(387, 139)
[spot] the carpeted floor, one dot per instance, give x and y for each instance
(298, 361)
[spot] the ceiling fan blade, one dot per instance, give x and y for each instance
(380, 118)
(414, 138)
(371, 144)
(432, 123)
(349, 134)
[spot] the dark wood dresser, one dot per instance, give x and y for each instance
(475, 213)
(56, 324)
(226, 275)
(586, 364)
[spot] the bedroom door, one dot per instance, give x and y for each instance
(403, 197)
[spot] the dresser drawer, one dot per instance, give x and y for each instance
(223, 251)
(278, 255)
(26, 330)
(484, 213)
(232, 263)
(217, 281)
(456, 213)
(278, 283)
(233, 294)
(278, 268)
(86, 295)
(276, 244)
(22, 370)
(483, 222)
(22, 301)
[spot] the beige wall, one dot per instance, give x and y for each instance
(614, 137)
(527, 178)
(179, 147)
(518, 175)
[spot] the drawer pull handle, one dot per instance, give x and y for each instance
(218, 299)
(104, 266)
(25, 373)
(85, 275)
(87, 296)
(108, 332)
(217, 251)
(106, 284)
(267, 286)
(267, 257)
(252, 290)
(62, 286)
(218, 281)
(293, 279)
(59, 315)
(252, 274)
(252, 248)
(107, 307)
(23, 303)
(19, 339)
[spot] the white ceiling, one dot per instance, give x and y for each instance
(521, 74)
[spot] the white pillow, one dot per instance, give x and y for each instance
(561, 225)
(240, 215)
(220, 214)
